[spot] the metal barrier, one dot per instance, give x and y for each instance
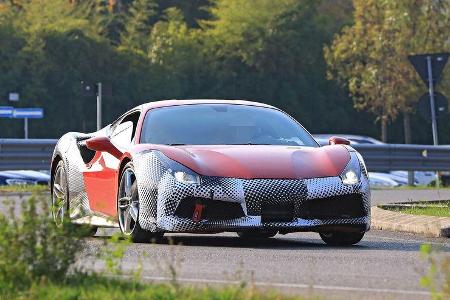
(394, 157)
(31, 154)
(35, 154)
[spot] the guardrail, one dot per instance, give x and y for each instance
(394, 157)
(30, 154)
(35, 154)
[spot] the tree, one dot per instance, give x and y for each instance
(108, 19)
(193, 10)
(137, 24)
(178, 51)
(370, 57)
(239, 28)
(271, 51)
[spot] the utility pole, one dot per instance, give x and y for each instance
(432, 103)
(99, 106)
(433, 111)
(429, 67)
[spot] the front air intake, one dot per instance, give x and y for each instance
(334, 207)
(213, 209)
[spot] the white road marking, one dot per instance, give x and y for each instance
(289, 285)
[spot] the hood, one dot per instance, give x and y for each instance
(259, 161)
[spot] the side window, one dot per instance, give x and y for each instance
(123, 133)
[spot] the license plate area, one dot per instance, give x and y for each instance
(277, 212)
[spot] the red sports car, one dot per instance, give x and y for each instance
(210, 166)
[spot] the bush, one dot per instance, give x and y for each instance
(33, 248)
(37, 261)
(437, 277)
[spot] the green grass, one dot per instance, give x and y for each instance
(438, 210)
(24, 188)
(96, 287)
(416, 187)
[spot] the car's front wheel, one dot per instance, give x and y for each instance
(341, 238)
(128, 208)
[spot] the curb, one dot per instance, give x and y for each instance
(383, 219)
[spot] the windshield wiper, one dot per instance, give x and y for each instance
(176, 144)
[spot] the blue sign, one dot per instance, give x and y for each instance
(28, 113)
(6, 111)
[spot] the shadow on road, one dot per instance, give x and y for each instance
(282, 243)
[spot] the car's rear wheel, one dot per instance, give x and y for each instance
(59, 194)
(341, 238)
(60, 202)
(128, 208)
(257, 234)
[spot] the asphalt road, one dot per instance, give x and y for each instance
(385, 265)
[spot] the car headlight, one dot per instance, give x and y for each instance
(180, 172)
(349, 177)
(187, 178)
(352, 172)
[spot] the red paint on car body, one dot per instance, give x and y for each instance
(258, 161)
(100, 182)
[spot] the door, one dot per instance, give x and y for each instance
(102, 175)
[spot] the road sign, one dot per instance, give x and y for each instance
(6, 111)
(420, 63)
(440, 107)
(28, 113)
(13, 97)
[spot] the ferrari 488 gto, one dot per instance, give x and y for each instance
(208, 166)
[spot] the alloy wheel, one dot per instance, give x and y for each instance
(59, 195)
(128, 202)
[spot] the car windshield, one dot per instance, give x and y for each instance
(222, 124)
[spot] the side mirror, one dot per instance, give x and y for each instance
(103, 144)
(335, 140)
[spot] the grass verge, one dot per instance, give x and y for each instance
(96, 287)
(26, 188)
(425, 209)
(416, 187)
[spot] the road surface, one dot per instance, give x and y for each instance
(385, 265)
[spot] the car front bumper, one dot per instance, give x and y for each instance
(317, 204)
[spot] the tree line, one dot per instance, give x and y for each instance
(338, 66)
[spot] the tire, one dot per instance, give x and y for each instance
(257, 234)
(60, 204)
(128, 208)
(341, 238)
(60, 195)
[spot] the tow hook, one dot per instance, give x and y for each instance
(198, 210)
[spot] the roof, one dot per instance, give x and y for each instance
(165, 103)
